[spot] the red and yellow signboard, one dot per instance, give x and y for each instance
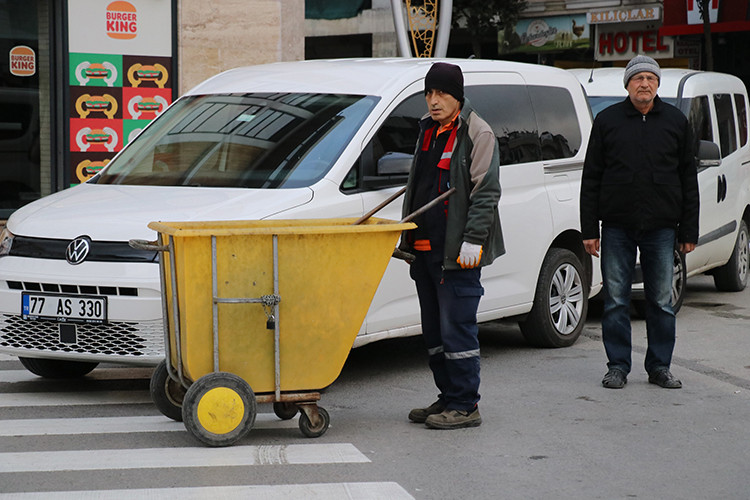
(120, 60)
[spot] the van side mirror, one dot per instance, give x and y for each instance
(393, 163)
(709, 154)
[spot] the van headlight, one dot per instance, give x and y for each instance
(6, 241)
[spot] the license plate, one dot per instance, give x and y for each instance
(73, 308)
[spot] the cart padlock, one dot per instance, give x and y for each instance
(271, 323)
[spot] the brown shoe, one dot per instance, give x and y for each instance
(419, 415)
(454, 419)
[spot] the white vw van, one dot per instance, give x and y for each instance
(305, 139)
(716, 105)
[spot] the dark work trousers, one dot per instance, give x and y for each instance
(448, 301)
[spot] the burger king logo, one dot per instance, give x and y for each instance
(122, 22)
(22, 61)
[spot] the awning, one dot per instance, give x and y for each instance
(733, 16)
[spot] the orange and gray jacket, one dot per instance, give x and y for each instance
(475, 173)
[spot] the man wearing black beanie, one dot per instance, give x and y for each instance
(452, 242)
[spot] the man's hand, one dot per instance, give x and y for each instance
(470, 255)
(687, 247)
(592, 247)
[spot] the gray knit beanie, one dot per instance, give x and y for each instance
(638, 64)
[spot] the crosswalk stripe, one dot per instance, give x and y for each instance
(155, 458)
(331, 491)
(15, 376)
(107, 425)
(26, 399)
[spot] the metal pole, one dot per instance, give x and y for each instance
(400, 26)
(444, 28)
(276, 343)
(176, 311)
(215, 311)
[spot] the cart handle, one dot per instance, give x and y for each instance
(379, 207)
(147, 245)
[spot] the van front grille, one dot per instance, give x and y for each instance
(29, 286)
(116, 339)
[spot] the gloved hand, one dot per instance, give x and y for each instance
(470, 255)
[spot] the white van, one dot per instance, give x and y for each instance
(716, 105)
(297, 140)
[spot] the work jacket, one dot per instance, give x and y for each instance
(640, 172)
(472, 214)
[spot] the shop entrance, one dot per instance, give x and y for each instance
(24, 97)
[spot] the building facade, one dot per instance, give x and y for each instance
(80, 78)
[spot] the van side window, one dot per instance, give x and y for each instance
(507, 109)
(699, 117)
(725, 121)
(559, 131)
(386, 159)
(739, 102)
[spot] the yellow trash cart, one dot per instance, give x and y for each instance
(261, 312)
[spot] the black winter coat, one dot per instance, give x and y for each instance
(640, 172)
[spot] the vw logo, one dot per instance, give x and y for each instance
(78, 250)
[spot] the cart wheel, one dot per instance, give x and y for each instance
(313, 431)
(167, 394)
(219, 409)
(285, 411)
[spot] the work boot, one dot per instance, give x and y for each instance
(419, 415)
(664, 378)
(454, 419)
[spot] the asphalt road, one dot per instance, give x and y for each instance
(550, 430)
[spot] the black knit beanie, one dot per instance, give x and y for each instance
(445, 77)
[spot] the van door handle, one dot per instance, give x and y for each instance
(721, 189)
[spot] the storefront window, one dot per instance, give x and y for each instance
(24, 115)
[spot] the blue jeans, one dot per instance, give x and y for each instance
(448, 302)
(618, 253)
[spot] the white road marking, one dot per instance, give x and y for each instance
(112, 425)
(156, 458)
(26, 399)
(15, 376)
(330, 491)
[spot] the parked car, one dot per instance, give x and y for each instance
(305, 139)
(716, 106)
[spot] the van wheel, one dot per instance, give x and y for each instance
(560, 302)
(679, 283)
(57, 368)
(732, 276)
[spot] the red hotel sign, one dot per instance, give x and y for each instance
(624, 44)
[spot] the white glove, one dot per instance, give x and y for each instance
(470, 255)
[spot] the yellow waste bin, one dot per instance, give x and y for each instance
(262, 311)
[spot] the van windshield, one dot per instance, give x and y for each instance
(269, 140)
(599, 102)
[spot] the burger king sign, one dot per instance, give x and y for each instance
(122, 20)
(22, 61)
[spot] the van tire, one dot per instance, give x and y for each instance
(732, 276)
(57, 368)
(560, 302)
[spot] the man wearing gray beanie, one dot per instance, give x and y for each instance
(640, 181)
(639, 64)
